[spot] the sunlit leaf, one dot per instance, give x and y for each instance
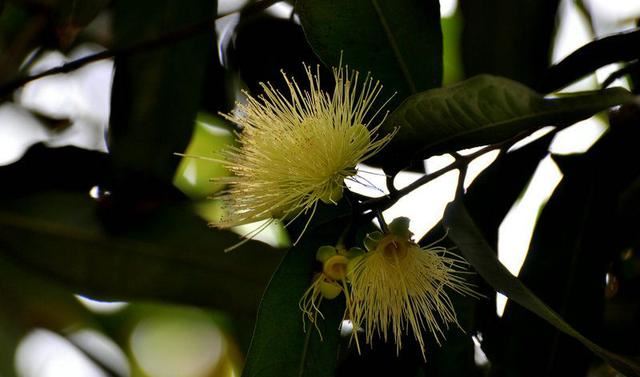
(196, 170)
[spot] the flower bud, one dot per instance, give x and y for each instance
(325, 252)
(335, 267)
(400, 227)
(353, 252)
(329, 289)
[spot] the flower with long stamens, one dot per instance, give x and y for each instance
(296, 149)
(399, 287)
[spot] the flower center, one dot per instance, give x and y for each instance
(332, 191)
(336, 267)
(392, 248)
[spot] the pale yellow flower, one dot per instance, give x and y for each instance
(399, 288)
(296, 149)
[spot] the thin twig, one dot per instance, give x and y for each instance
(461, 176)
(627, 69)
(384, 202)
(390, 186)
(151, 44)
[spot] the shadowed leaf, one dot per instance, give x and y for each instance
(483, 110)
(479, 254)
(280, 347)
(399, 42)
(171, 255)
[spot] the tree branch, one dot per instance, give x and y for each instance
(166, 39)
(384, 202)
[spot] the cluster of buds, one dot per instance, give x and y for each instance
(330, 282)
(395, 286)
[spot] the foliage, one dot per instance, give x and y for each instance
(139, 238)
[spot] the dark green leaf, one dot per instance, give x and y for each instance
(508, 38)
(574, 245)
(564, 267)
(489, 198)
(171, 255)
(156, 93)
(279, 45)
(399, 42)
(482, 110)
(279, 346)
(64, 168)
(588, 58)
(479, 254)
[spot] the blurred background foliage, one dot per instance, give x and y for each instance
(108, 267)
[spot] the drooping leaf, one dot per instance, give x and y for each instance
(482, 110)
(399, 42)
(279, 346)
(488, 199)
(574, 243)
(588, 58)
(479, 254)
(170, 255)
(564, 267)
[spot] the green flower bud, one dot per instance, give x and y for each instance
(329, 289)
(325, 252)
(400, 227)
(353, 252)
(335, 267)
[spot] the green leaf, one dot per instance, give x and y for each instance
(156, 93)
(508, 38)
(568, 249)
(63, 168)
(489, 198)
(399, 42)
(171, 255)
(279, 346)
(574, 245)
(479, 254)
(194, 175)
(483, 110)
